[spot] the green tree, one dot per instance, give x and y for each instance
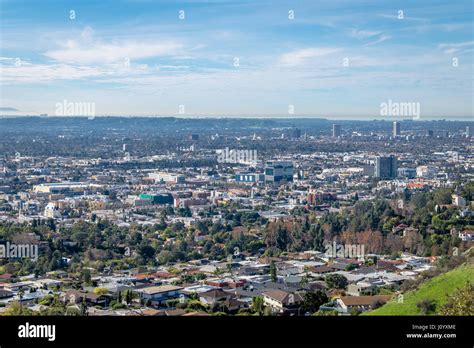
(196, 305)
(336, 281)
(83, 309)
(461, 302)
(86, 276)
(128, 296)
(165, 257)
(426, 306)
(313, 300)
(147, 252)
(273, 272)
(257, 305)
(16, 308)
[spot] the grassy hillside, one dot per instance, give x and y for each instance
(434, 289)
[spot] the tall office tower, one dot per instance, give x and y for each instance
(386, 167)
(277, 172)
(429, 133)
(336, 130)
(468, 132)
(296, 133)
(396, 129)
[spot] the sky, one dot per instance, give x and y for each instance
(333, 58)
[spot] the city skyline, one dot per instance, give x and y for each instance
(237, 58)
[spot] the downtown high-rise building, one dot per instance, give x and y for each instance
(386, 167)
(336, 130)
(296, 133)
(468, 132)
(396, 129)
(277, 172)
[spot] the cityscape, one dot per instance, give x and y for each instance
(238, 217)
(283, 172)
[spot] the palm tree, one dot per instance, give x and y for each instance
(20, 296)
(83, 310)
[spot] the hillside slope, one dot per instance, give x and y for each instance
(434, 289)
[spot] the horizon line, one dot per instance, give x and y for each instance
(308, 117)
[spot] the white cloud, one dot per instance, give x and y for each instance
(380, 39)
(301, 56)
(88, 50)
(405, 17)
(37, 73)
(451, 48)
(363, 34)
(376, 36)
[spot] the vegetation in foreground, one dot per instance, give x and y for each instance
(451, 293)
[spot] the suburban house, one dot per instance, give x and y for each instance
(280, 301)
(18, 286)
(156, 295)
(363, 303)
(5, 294)
(320, 269)
(233, 304)
(366, 286)
(212, 296)
(76, 297)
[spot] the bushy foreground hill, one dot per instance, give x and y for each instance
(436, 289)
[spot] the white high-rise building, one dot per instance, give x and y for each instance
(396, 129)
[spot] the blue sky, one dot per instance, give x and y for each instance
(229, 58)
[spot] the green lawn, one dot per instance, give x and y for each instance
(434, 289)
